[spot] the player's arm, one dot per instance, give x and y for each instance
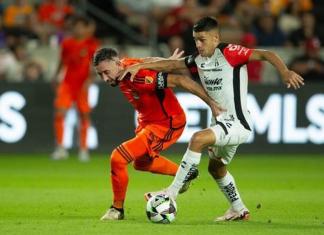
(55, 79)
(166, 65)
(188, 84)
(289, 77)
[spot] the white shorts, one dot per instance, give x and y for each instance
(228, 137)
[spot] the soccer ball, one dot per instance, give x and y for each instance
(161, 209)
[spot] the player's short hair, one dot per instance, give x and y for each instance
(205, 24)
(80, 19)
(104, 54)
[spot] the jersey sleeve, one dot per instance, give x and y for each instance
(150, 80)
(236, 54)
(191, 64)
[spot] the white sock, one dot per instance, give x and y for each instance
(189, 160)
(228, 187)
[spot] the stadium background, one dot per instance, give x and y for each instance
(284, 121)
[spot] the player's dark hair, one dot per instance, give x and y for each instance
(104, 54)
(205, 24)
(80, 19)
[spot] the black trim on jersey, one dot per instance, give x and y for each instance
(161, 80)
(161, 94)
(222, 126)
(221, 46)
(192, 66)
(237, 97)
(190, 60)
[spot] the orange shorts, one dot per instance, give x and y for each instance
(65, 97)
(151, 140)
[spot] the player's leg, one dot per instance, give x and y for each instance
(84, 123)
(220, 156)
(156, 165)
(139, 150)
(154, 162)
(225, 181)
(191, 159)
(62, 103)
(127, 152)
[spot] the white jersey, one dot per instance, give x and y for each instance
(224, 77)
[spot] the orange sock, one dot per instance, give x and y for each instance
(119, 177)
(84, 124)
(157, 165)
(59, 128)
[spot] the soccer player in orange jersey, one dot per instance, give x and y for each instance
(76, 55)
(161, 121)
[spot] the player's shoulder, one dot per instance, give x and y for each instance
(231, 47)
(230, 50)
(68, 41)
(190, 59)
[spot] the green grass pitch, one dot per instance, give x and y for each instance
(285, 195)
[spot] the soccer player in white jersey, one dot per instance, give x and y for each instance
(221, 68)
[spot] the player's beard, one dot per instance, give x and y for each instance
(115, 83)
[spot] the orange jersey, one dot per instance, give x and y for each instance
(76, 56)
(154, 102)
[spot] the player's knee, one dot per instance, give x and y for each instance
(117, 160)
(198, 140)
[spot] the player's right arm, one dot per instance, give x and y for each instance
(165, 65)
(55, 79)
(63, 54)
(191, 86)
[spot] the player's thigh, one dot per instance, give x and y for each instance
(135, 148)
(82, 102)
(230, 135)
(227, 141)
(63, 99)
(172, 136)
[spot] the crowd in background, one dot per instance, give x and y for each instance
(26, 25)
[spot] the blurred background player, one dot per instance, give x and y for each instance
(161, 121)
(76, 55)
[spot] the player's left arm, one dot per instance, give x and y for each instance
(188, 84)
(289, 77)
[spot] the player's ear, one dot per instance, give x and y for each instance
(215, 35)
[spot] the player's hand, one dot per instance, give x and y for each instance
(177, 54)
(292, 79)
(132, 70)
(216, 108)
